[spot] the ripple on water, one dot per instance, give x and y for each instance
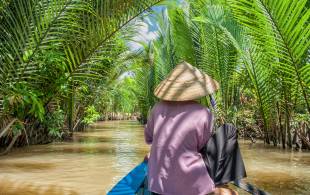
(26, 188)
(26, 166)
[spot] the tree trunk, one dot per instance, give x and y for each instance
(274, 138)
(283, 134)
(7, 150)
(7, 128)
(267, 140)
(287, 128)
(70, 108)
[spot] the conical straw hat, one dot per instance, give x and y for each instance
(185, 82)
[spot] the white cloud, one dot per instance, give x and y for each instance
(144, 34)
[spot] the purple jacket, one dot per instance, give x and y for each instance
(177, 132)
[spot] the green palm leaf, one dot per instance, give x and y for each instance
(282, 27)
(77, 30)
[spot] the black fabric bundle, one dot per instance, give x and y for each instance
(222, 156)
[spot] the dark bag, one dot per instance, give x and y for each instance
(222, 156)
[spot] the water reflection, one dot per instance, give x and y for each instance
(276, 170)
(95, 160)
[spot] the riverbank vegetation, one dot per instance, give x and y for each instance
(57, 59)
(66, 63)
(258, 51)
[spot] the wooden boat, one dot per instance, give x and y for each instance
(133, 183)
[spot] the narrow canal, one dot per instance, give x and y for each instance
(98, 158)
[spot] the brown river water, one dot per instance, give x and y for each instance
(96, 159)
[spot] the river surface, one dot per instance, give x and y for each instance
(96, 159)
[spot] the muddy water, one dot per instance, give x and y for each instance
(98, 158)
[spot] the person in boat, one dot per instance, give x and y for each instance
(178, 128)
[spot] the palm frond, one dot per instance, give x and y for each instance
(283, 28)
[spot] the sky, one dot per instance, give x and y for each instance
(148, 27)
(147, 30)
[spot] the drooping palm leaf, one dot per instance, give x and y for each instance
(77, 30)
(215, 50)
(283, 28)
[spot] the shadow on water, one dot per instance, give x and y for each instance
(280, 182)
(27, 166)
(85, 147)
(13, 188)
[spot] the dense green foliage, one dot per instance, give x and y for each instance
(57, 57)
(66, 63)
(91, 115)
(258, 50)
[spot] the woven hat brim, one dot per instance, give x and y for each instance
(171, 90)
